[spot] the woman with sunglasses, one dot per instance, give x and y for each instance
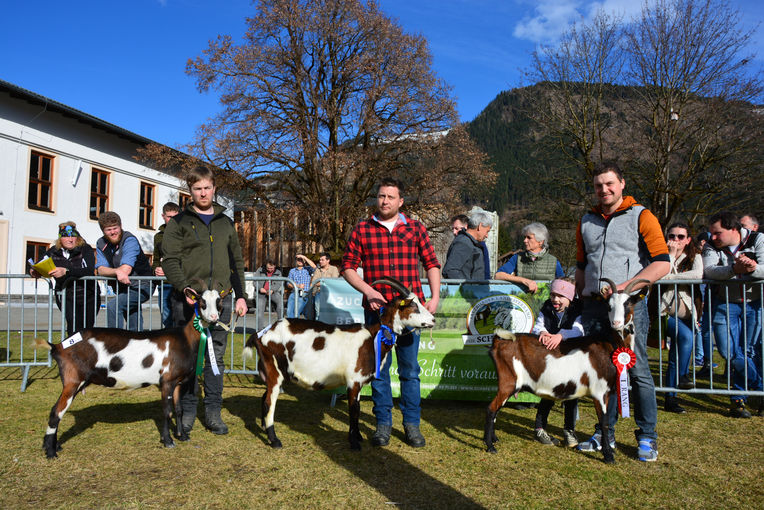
(677, 304)
(74, 258)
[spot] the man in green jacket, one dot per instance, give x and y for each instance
(201, 243)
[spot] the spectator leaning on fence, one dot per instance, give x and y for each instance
(392, 244)
(733, 254)
(269, 292)
(74, 258)
(622, 241)
(201, 243)
(682, 308)
(534, 263)
(119, 255)
(465, 259)
(459, 223)
(169, 210)
(301, 276)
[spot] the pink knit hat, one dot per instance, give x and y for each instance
(563, 288)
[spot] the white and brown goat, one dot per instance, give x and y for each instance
(319, 356)
(123, 359)
(576, 368)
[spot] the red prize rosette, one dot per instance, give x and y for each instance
(623, 359)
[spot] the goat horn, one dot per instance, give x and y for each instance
(631, 285)
(613, 286)
(392, 282)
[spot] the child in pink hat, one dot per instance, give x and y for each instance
(558, 320)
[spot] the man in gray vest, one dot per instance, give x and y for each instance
(622, 241)
(119, 255)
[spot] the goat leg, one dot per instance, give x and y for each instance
(50, 441)
(354, 412)
(269, 411)
(176, 393)
(167, 408)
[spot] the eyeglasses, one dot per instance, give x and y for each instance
(680, 237)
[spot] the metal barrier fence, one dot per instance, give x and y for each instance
(28, 309)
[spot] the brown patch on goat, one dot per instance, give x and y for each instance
(319, 342)
(317, 386)
(290, 350)
(147, 361)
(585, 380)
(297, 326)
(364, 364)
(562, 391)
(115, 365)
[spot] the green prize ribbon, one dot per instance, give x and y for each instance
(202, 345)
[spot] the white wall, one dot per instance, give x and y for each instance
(25, 127)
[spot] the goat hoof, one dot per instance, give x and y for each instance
(184, 437)
(355, 446)
(609, 460)
(169, 444)
(491, 449)
(276, 444)
(51, 455)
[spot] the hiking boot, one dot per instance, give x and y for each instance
(738, 410)
(594, 443)
(214, 422)
(685, 383)
(544, 438)
(571, 441)
(414, 437)
(672, 406)
(187, 422)
(381, 436)
(647, 451)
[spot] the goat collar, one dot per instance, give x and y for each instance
(384, 335)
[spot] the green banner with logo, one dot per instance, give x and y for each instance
(453, 356)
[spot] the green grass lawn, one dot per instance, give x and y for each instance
(112, 457)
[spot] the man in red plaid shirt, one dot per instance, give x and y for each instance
(391, 244)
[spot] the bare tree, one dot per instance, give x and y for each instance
(697, 133)
(576, 77)
(323, 97)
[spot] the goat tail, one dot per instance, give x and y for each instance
(505, 334)
(41, 343)
(247, 353)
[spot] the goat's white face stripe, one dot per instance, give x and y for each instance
(617, 315)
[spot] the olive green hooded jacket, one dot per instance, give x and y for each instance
(191, 250)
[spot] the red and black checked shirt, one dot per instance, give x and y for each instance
(397, 254)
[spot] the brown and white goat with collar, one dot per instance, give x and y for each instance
(319, 356)
(576, 368)
(122, 359)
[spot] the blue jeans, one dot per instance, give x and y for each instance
(406, 352)
(302, 301)
(165, 291)
(595, 321)
(729, 341)
(681, 335)
(127, 305)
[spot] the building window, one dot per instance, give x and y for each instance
(146, 211)
(40, 182)
(36, 251)
(183, 200)
(99, 193)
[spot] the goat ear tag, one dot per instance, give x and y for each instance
(403, 302)
(68, 342)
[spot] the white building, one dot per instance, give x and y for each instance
(61, 164)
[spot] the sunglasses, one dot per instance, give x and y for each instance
(680, 237)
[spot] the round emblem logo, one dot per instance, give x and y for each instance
(502, 311)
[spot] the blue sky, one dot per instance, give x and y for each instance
(123, 61)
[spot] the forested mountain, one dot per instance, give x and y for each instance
(538, 182)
